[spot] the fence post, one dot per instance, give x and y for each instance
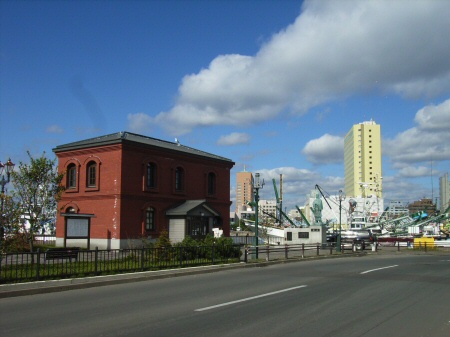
(212, 253)
(96, 260)
(318, 249)
(142, 258)
(331, 250)
(286, 251)
(181, 256)
(267, 252)
(303, 250)
(246, 254)
(425, 245)
(38, 264)
(398, 246)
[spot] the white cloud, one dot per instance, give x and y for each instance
(412, 171)
(325, 150)
(434, 117)
(234, 138)
(55, 129)
(333, 49)
(139, 122)
(428, 141)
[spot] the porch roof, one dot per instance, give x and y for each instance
(189, 205)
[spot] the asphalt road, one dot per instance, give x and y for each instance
(359, 296)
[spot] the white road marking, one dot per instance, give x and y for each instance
(249, 298)
(369, 271)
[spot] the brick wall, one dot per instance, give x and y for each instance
(120, 198)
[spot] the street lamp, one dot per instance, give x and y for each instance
(5, 169)
(257, 185)
(338, 240)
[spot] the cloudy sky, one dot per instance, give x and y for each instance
(272, 85)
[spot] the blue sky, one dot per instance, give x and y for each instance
(272, 85)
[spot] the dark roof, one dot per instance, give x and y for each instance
(123, 137)
(188, 206)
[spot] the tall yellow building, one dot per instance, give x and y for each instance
(244, 189)
(362, 156)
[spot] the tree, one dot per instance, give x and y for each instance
(36, 191)
(10, 220)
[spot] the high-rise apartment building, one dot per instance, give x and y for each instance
(244, 190)
(362, 156)
(444, 192)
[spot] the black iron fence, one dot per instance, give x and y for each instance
(27, 267)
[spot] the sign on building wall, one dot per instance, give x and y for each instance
(77, 229)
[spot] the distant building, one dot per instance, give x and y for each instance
(396, 209)
(423, 205)
(244, 190)
(267, 210)
(123, 187)
(444, 192)
(362, 160)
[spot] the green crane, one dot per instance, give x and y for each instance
(303, 216)
(278, 207)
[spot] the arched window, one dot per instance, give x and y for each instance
(71, 176)
(211, 183)
(91, 174)
(151, 175)
(150, 219)
(179, 179)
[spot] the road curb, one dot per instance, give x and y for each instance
(50, 286)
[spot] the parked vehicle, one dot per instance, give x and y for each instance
(358, 237)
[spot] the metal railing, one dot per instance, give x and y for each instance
(27, 267)
(45, 239)
(277, 252)
(250, 240)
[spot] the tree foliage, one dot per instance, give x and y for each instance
(10, 224)
(36, 191)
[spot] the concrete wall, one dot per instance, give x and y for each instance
(309, 235)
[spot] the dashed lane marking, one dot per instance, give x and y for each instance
(249, 298)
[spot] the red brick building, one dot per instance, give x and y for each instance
(123, 187)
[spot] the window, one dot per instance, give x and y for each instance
(150, 219)
(151, 175)
(72, 176)
(288, 236)
(91, 174)
(179, 179)
(303, 235)
(211, 183)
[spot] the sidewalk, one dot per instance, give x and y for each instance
(40, 287)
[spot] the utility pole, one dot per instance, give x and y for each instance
(338, 240)
(256, 186)
(281, 199)
(5, 169)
